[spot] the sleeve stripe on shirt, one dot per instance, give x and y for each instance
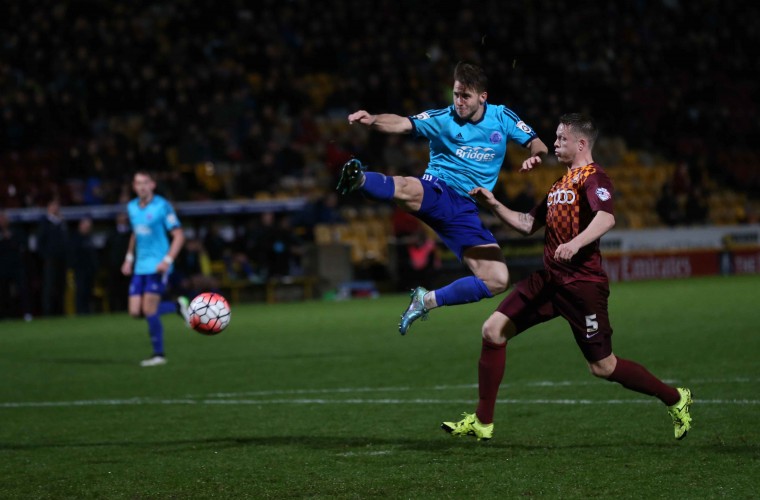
(438, 112)
(511, 114)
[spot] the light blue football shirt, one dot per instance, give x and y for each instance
(466, 155)
(151, 224)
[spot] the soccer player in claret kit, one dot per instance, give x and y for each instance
(151, 254)
(577, 212)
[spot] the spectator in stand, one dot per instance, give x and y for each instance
(215, 243)
(416, 252)
(696, 209)
(117, 243)
(13, 271)
(424, 257)
(279, 249)
(52, 246)
(681, 178)
(321, 210)
(667, 206)
(84, 263)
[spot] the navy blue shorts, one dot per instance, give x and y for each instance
(452, 216)
(148, 283)
(583, 304)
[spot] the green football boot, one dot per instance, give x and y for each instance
(469, 426)
(415, 311)
(351, 176)
(183, 309)
(679, 412)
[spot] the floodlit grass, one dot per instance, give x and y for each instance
(325, 399)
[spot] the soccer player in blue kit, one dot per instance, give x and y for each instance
(468, 144)
(149, 260)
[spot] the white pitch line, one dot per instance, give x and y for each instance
(537, 383)
(242, 398)
(365, 453)
(353, 401)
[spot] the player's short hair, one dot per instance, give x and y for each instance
(471, 76)
(582, 124)
(146, 173)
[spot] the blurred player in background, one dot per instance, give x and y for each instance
(149, 260)
(468, 144)
(577, 212)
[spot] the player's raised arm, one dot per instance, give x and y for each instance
(386, 122)
(521, 222)
(537, 150)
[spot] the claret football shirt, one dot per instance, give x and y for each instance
(568, 208)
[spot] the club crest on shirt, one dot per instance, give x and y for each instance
(603, 194)
(495, 138)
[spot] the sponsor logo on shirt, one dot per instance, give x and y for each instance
(524, 127)
(142, 230)
(477, 154)
(561, 197)
(603, 194)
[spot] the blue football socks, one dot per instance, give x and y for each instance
(462, 291)
(156, 331)
(378, 186)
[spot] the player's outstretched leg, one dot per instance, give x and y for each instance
(351, 176)
(679, 412)
(462, 291)
(469, 426)
(183, 309)
(415, 311)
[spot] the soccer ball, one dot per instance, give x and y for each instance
(209, 313)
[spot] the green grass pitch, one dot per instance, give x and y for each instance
(327, 400)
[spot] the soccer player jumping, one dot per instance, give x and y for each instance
(577, 212)
(468, 144)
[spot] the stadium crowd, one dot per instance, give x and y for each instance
(89, 91)
(230, 99)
